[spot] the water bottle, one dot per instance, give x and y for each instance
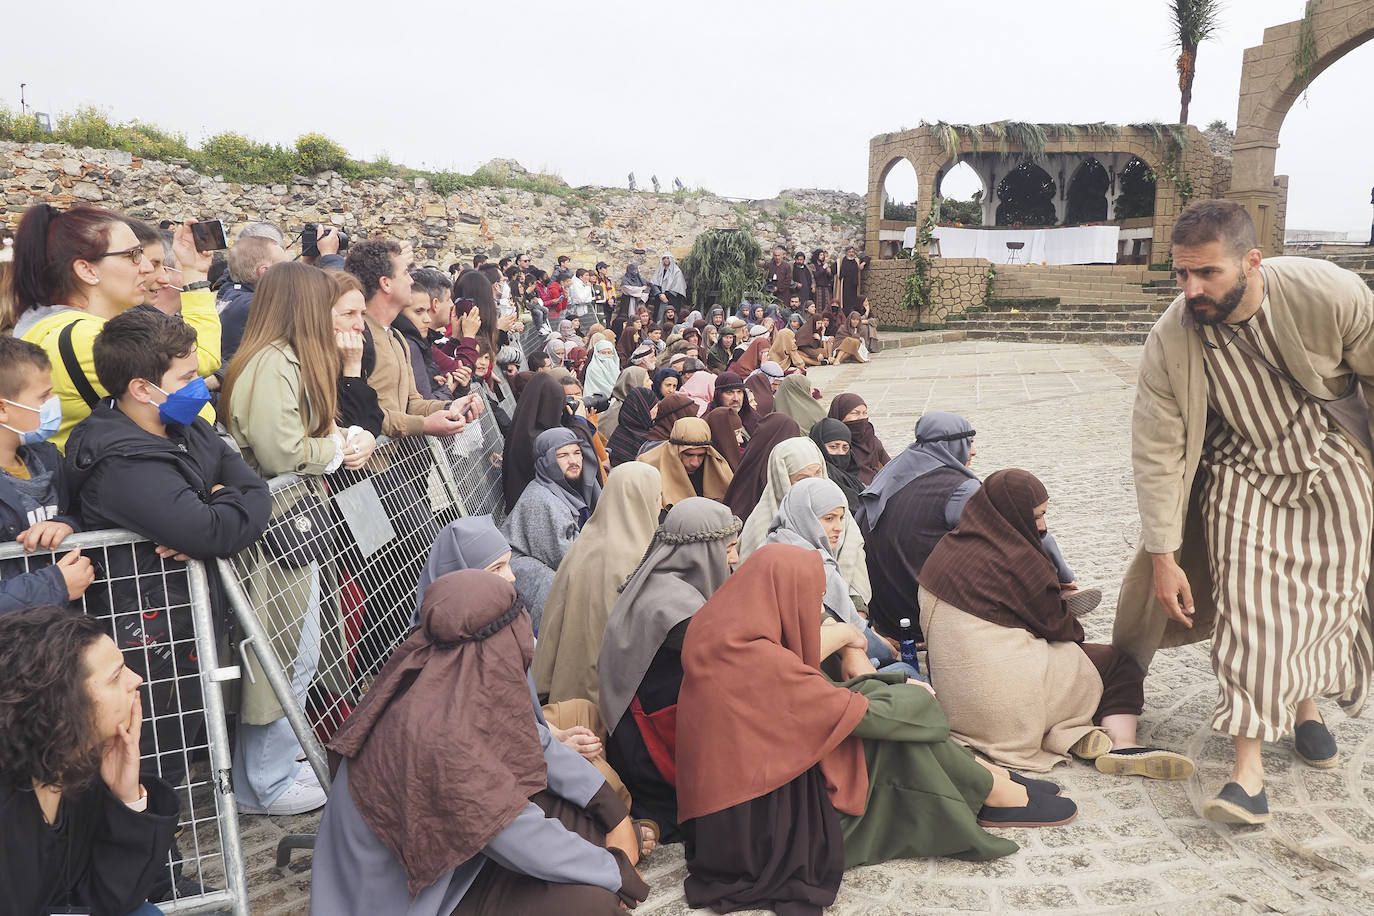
(908, 645)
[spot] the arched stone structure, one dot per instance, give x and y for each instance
(1269, 84)
(1113, 149)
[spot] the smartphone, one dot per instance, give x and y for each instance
(209, 235)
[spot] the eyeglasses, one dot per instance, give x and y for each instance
(134, 254)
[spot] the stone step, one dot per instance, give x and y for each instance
(1047, 317)
(1065, 325)
(1003, 305)
(1074, 337)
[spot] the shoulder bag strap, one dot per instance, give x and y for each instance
(73, 366)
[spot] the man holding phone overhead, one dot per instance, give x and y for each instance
(384, 271)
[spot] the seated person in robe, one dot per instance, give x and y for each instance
(550, 512)
(813, 515)
(912, 503)
(689, 464)
(835, 440)
(588, 583)
(475, 542)
(640, 666)
(441, 805)
(791, 460)
(1014, 674)
(851, 773)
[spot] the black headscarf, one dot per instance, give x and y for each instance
(843, 469)
(633, 425)
(540, 407)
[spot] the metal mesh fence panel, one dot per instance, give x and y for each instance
(532, 339)
(158, 612)
(473, 458)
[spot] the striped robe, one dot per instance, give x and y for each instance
(1287, 504)
(1322, 323)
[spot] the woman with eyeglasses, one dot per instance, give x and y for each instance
(75, 270)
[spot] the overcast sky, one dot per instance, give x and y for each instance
(742, 98)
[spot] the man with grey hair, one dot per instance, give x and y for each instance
(262, 231)
(248, 260)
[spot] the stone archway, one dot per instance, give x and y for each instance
(1269, 84)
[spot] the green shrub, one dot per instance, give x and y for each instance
(21, 127)
(240, 159)
(317, 153)
(87, 126)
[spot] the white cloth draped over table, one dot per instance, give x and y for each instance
(1070, 245)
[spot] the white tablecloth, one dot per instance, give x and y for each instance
(1070, 245)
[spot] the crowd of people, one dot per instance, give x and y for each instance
(715, 610)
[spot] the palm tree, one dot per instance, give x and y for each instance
(1195, 21)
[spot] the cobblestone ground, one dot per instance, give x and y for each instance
(1137, 846)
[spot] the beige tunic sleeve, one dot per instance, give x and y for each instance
(1158, 441)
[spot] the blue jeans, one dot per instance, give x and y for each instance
(147, 910)
(265, 764)
(541, 315)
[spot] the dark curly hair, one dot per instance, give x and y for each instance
(370, 260)
(47, 725)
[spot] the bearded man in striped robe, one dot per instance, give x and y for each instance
(1251, 451)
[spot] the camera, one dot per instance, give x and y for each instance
(310, 235)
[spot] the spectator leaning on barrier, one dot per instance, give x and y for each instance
(382, 268)
(429, 292)
(33, 489)
(77, 269)
(80, 830)
(145, 461)
(281, 404)
(357, 400)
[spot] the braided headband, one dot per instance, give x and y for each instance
(661, 536)
(947, 437)
(486, 630)
(688, 443)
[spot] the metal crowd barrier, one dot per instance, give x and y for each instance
(319, 624)
(140, 595)
(532, 340)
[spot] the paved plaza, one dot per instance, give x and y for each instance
(1063, 412)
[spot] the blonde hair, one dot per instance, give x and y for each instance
(293, 306)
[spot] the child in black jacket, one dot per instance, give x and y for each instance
(145, 461)
(33, 493)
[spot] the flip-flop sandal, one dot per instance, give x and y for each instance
(641, 825)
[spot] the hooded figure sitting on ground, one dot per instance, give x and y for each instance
(854, 767)
(549, 514)
(450, 798)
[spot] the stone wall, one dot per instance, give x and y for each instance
(961, 284)
(589, 225)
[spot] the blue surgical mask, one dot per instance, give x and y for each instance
(183, 405)
(49, 420)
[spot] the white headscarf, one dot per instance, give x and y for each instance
(603, 370)
(670, 278)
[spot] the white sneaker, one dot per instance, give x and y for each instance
(301, 796)
(306, 775)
